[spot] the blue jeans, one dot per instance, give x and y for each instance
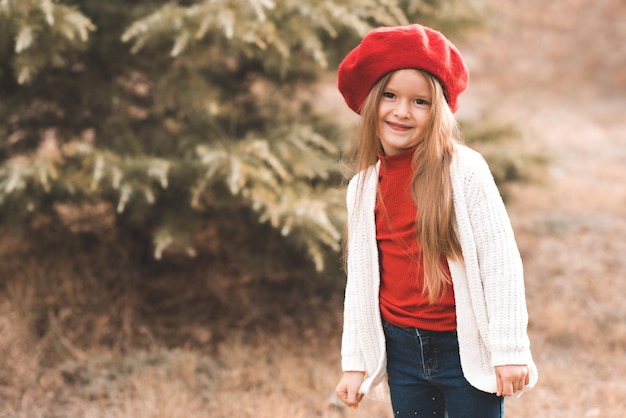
(426, 380)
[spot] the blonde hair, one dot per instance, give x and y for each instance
(431, 185)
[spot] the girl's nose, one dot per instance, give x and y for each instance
(402, 111)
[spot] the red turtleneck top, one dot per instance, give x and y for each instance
(402, 302)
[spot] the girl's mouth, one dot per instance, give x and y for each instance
(398, 126)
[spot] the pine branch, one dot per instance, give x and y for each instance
(276, 178)
(43, 32)
(258, 28)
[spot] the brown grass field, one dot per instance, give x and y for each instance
(556, 69)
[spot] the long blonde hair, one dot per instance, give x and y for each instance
(431, 185)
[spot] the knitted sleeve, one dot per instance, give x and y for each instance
(500, 266)
(351, 355)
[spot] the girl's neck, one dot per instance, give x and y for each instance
(399, 164)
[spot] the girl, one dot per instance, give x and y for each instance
(435, 314)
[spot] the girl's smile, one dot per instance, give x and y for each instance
(398, 126)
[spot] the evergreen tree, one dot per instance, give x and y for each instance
(173, 118)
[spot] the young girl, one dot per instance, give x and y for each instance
(435, 314)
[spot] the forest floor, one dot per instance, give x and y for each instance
(555, 69)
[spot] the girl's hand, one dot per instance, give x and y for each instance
(511, 379)
(348, 388)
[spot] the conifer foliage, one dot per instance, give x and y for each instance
(170, 116)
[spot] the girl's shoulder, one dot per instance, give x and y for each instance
(466, 155)
(467, 160)
(364, 176)
(363, 183)
(470, 169)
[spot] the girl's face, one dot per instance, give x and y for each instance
(403, 111)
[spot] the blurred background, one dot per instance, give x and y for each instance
(171, 198)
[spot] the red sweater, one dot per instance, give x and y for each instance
(402, 274)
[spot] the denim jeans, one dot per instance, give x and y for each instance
(426, 380)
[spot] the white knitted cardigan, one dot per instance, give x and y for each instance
(488, 286)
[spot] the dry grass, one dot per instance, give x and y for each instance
(290, 373)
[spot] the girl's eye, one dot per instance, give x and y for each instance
(389, 95)
(421, 102)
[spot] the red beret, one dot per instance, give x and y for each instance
(388, 49)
